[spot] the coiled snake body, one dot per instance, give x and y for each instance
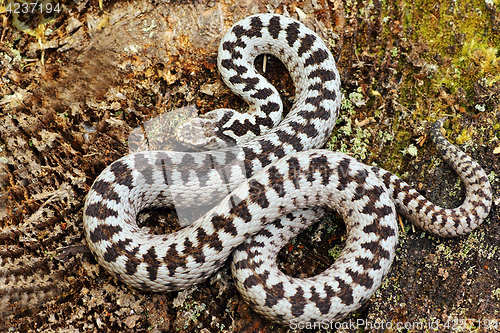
(269, 185)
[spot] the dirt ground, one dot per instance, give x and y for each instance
(73, 91)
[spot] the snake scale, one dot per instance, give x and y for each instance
(268, 187)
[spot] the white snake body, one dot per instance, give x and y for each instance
(267, 187)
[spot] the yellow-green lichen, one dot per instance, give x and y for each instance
(349, 138)
(459, 34)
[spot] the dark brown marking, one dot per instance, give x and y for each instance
(151, 259)
(343, 172)
(213, 240)
(319, 113)
(230, 65)
(164, 170)
(270, 107)
(174, 259)
(116, 250)
(224, 223)
(370, 207)
(188, 245)
(104, 232)
(368, 264)
(132, 262)
(274, 27)
(145, 169)
(319, 164)
(293, 171)
(262, 93)
(249, 83)
(185, 167)
(290, 139)
(292, 33)
(257, 194)
(309, 130)
(324, 74)
(250, 281)
(298, 302)
(345, 293)
(250, 155)
(100, 211)
(274, 294)
(363, 279)
(240, 129)
(122, 173)
(316, 58)
(376, 249)
(322, 303)
(276, 181)
(233, 47)
(106, 190)
(305, 44)
(384, 232)
(254, 30)
(199, 257)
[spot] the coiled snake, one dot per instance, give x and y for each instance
(269, 183)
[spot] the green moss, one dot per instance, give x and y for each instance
(335, 251)
(459, 33)
(348, 138)
(410, 150)
(464, 137)
(492, 177)
(456, 51)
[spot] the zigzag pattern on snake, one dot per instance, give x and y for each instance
(267, 189)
